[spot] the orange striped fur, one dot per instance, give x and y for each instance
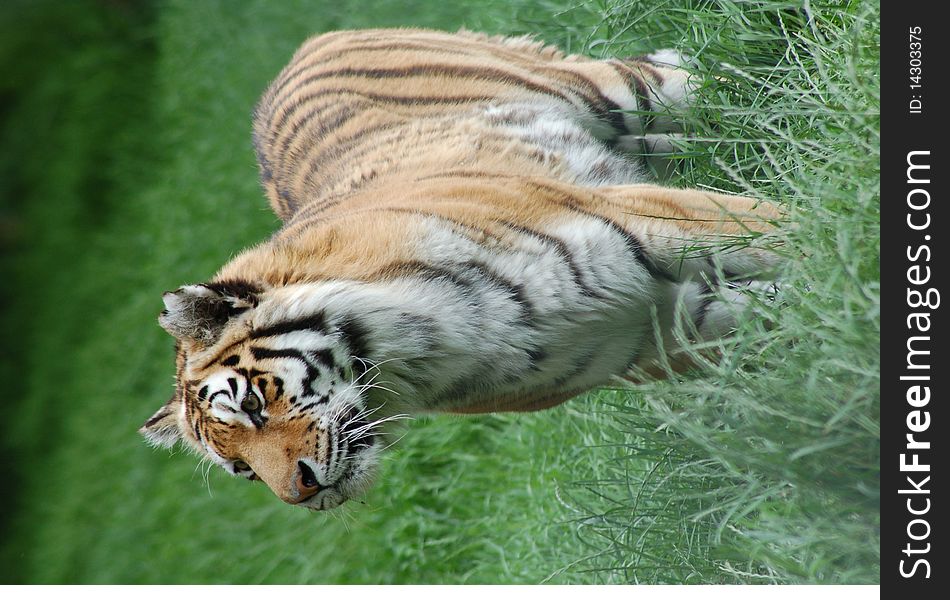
(464, 231)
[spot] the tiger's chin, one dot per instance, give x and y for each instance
(360, 475)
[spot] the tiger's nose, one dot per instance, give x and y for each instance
(305, 482)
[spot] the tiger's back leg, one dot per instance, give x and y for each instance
(646, 99)
(643, 95)
(608, 121)
(670, 91)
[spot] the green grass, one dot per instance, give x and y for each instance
(126, 169)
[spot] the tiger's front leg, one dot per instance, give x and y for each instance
(689, 232)
(723, 253)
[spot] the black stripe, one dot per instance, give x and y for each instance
(351, 149)
(474, 270)
(327, 124)
(236, 288)
(423, 270)
(563, 252)
(384, 139)
(382, 98)
(644, 105)
(641, 93)
(517, 290)
(632, 242)
(216, 394)
(635, 246)
(274, 94)
(356, 338)
(334, 448)
(259, 151)
(312, 372)
(439, 70)
(580, 366)
(362, 141)
(310, 214)
(279, 204)
(562, 197)
(514, 290)
(586, 89)
(595, 101)
(649, 68)
(221, 353)
(427, 214)
(331, 166)
(641, 96)
(706, 300)
(257, 418)
(605, 108)
(157, 417)
(324, 356)
(320, 400)
(314, 207)
(536, 356)
(289, 203)
(315, 322)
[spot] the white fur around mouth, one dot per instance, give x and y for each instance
(325, 499)
(355, 480)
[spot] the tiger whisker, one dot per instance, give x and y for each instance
(364, 429)
(362, 413)
(380, 387)
(362, 387)
(382, 420)
(394, 442)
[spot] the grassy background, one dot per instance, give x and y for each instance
(126, 170)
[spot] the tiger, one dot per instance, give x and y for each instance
(469, 225)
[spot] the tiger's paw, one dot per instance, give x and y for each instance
(671, 81)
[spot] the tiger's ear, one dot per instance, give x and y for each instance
(162, 428)
(198, 313)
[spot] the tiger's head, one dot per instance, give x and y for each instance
(271, 389)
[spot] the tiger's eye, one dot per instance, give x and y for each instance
(251, 403)
(240, 465)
